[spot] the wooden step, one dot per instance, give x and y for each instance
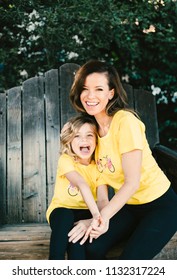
(31, 242)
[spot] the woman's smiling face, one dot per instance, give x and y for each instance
(96, 94)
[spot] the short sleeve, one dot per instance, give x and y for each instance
(65, 165)
(130, 134)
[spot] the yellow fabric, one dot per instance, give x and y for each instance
(127, 133)
(69, 196)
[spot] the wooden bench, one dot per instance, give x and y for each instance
(31, 117)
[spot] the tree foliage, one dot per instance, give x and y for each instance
(138, 36)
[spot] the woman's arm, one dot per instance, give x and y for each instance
(131, 165)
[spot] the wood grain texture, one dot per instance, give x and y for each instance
(34, 157)
(52, 111)
(67, 72)
(31, 242)
(3, 163)
(24, 242)
(145, 105)
(14, 160)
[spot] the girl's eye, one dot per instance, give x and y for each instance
(76, 136)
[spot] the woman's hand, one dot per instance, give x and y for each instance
(95, 229)
(79, 230)
(99, 230)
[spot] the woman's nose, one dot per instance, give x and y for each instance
(91, 94)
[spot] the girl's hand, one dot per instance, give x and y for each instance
(79, 230)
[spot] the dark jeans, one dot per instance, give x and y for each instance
(149, 227)
(61, 222)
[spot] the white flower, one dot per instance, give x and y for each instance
(151, 29)
(162, 99)
(125, 78)
(155, 90)
(24, 74)
(174, 98)
(72, 55)
(76, 38)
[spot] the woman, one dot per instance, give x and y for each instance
(144, 205)
(76, 189)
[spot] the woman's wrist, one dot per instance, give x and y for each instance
(104, 216)
(96, 215)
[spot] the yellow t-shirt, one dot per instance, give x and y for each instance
(68, 196)
(127, 133)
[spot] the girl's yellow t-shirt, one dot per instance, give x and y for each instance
(127, 133)
(66, 195)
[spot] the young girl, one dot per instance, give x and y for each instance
(75, 188)
(144, 204)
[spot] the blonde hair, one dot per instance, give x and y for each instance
(70, 129)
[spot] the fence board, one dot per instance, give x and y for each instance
(129, 90)
(67, 72)
(52, 128)
(34, 165)
(2, 158)
(14, 164)
(145, 104)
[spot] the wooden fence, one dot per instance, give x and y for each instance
(31, 116)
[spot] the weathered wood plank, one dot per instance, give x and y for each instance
(31, 242)
(3, 157)
(25, 250)
(24, 232)
(167, 160)
(24, 242)
(14, 160)
(52, 128)
(34, 157)
(145, 105)
(67, 72)
(129, 90)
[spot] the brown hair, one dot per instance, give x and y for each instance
(119, 101)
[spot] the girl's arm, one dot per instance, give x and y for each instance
(102, 196)
(77, 180)
(83, 226)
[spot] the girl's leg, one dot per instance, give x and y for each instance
(156, 227)
(75, 250)
(120, 226)
(61, 222)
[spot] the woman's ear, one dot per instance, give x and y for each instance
(111, 94)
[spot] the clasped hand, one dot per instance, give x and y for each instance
(90, 228)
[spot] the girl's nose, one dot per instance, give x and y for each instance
(83, 138)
